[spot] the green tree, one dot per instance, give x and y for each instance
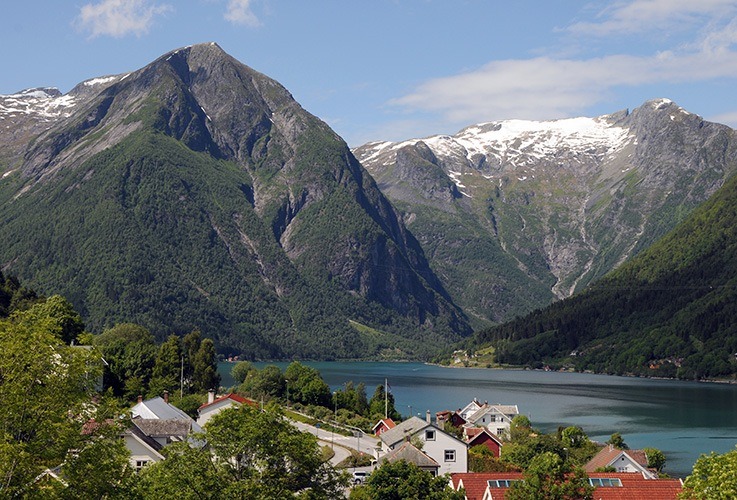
(522, 452)
(482, 459)
(264, 448)
(60, 316)
(167, 367)
(190, 346)
(617, 441)
(655, 459)
(306, 385)
(187, 473)
(45, 386)
(520, 428)
(100, 469)
(378, 403)
(251, 454)
(266, 383)
(205, 364)
(353, 398)
(130, 352)
(403, 480)
(240, 371)
(713, 476)
(573, 437)
(548, 477)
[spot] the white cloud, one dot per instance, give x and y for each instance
(118, 18)
(545, 88)
(240, 12)
(638, 16)
(554, 87)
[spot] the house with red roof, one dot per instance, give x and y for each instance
(475, 436)
(608, 485)
(383, 425)
(453, 417)
(216, 405)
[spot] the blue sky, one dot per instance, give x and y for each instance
(398, 69)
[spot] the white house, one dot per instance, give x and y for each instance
(497, 418)
(154, 424)
(450, 453)
(142, 448)
(621, 461)
(216, 405)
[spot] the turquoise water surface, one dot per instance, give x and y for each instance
(682, 419)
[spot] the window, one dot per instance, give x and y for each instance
(450, 455)
(500, 431)
(140, 464)
(605, 481)
(501, 483)
(429, 435)
(493, 418)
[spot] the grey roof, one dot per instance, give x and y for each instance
(149, 441)
(155, 427)
(509, 411)
(406, 428)
(157, 408)
(412, 454)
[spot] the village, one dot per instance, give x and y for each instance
(438, 444)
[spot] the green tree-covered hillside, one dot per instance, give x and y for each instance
(196, 194)
(672, 311)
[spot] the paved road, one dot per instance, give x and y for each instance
(364, 443)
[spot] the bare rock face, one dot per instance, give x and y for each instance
(553, 205)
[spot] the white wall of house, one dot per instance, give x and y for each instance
(210, 411)
(624, 463)
(140, 453)
(449, 452)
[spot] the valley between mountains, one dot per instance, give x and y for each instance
(196, 193)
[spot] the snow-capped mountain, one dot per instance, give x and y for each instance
(538, 209)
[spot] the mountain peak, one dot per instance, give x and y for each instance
(222, 205)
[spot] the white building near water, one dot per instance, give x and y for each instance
(450, 453)
(495, 417)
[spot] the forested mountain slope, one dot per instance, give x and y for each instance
(671, 311)
(196, 193)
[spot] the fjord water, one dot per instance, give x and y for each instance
(682, 419)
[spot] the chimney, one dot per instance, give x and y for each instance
(140, 398)
(166, 396)
(210, 396)
(427, 417)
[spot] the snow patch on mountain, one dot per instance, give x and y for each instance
(100, 81)
(511, 140)
(513, 144)
(47, 103)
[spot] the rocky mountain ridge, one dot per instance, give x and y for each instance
(196, 193)
(558, 204)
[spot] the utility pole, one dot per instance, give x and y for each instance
(386, 398)
(181, 380)
(335, 419)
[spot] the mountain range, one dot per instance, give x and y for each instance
(516, 214)
(196, 193)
